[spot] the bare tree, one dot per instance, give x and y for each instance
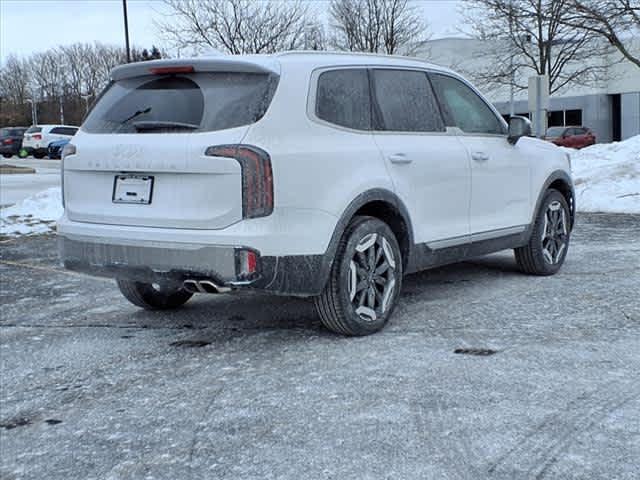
(14, 91)
(14, 80)
(531, 37)
(59, 80)
(237, 26)
(384, 26)
(614, 20)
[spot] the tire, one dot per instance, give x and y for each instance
(7, 155)
(344, 306)
(148, 296)
(39, 154)
(548, 245)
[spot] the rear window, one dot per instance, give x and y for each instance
(343, 98)
(555, 131)
(64, 131)
(34, 130)
(196, 102)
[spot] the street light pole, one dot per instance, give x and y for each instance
(126, 30)
(34, 112)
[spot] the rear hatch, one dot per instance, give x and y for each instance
(32, 136)
(140, 155)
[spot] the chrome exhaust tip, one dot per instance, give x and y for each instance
(191, 286)
(203, 286)
(210, 287)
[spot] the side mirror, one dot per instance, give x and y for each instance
(518, 127)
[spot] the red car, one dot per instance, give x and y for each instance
(572, 137)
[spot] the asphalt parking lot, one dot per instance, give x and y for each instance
(252, 387)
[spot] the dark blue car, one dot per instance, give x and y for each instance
(55, 149)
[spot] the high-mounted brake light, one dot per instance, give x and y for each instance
(257, 177)
(176, 69)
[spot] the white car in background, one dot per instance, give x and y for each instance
(322, 175)
(38, 137)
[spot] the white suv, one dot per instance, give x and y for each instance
(38, 137)
(311, 174)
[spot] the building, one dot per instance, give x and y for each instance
(611, 108)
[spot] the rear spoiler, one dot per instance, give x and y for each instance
(241, 64)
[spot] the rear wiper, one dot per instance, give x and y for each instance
(160, 125)
(136, 114)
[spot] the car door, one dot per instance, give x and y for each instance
(579, 138)
(428, 165)
(499, 171)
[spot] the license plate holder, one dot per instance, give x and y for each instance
(137, 189)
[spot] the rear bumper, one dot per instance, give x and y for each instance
(155, 262)
(12, 149)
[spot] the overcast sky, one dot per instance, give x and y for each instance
(28, 26)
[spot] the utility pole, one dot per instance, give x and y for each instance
(126, 30)
(34, 112)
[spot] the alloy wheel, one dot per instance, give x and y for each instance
(372, 277)
(554, 233)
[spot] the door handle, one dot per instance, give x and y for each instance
(480, 156)
(399, 158)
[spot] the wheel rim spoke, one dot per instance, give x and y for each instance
(554, 233)
(372, 277)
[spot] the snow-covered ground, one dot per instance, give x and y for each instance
(35, 214)
(606, 176)
(16, 187)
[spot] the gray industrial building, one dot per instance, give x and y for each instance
(611, 109)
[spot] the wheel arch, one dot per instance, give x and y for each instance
(378, 203)
(561, 181)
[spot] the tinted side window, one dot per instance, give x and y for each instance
(463, 108)
(57, 131)
(405, 102)
(67, 131)
(343, 98)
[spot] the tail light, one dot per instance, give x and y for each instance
(7, 141)
(257, 177)
(68, 149)
(37, 136)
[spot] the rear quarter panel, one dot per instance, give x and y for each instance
(316, 166)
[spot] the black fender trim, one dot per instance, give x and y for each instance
(557, 175)
(306, 275)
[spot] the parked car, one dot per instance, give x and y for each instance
(54, 151)
(11, 140)
(572, 137)
(38, 137)
(311, 174)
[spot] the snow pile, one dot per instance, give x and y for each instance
(33, 215)
(607, 176)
